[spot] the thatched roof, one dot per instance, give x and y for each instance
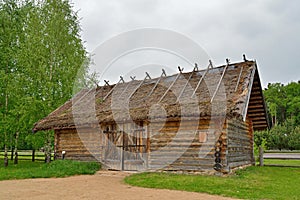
(231, 90)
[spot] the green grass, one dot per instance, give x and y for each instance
(282, 162)
(58, 168)
(251, 183)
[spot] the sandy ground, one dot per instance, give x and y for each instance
(106, 185)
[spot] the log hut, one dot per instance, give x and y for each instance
(197, 121)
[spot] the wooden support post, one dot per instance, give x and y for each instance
(33, 155)
(12, 153)
(261, 156)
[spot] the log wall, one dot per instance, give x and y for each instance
(83, 145)
(185, 145)
(170, 146)
(240, 143)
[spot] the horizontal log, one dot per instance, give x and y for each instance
(239, 164)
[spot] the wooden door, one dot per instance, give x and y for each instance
(125, 150)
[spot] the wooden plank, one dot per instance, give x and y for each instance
(244, 113)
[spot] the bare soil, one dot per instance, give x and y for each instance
(106, 185)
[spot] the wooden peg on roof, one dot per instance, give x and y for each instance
(180, 69)
(121, 79)
(106, 82)
(163, 72)
(196, 67)
(244, 57)
(133, 78)
(147, 76)
(210, 64)
(227, 61)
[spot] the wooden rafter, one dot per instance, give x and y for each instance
(178, 75)
(186, 84)
(238, 81)
(202, 77)
(141, 83)
(219, 84)
(121, 80)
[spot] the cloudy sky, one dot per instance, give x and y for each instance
(268, 31)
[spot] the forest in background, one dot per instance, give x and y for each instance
(283, 103)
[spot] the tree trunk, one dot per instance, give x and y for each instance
(5, 156)
(16, 149)
(48, 148)
(5, 132)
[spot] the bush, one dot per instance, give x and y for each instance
(285, 136)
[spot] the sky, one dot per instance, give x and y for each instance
(266, 31)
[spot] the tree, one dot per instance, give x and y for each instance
(294, 142)
(283, 102)
(40, 55)
(55, 52)
(11, 36)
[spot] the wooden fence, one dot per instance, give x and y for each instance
(27, 155)
(286, 156)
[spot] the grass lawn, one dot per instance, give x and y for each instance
(58, 168)
(250, 183)
(282, 162)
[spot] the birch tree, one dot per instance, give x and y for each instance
(41, 53)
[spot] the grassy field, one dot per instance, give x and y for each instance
(58, 168)
(282, 162)
(251, 183)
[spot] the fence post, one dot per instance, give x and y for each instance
(33, 155)
(12, 153)
(261, 156)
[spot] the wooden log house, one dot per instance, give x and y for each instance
(197, 121)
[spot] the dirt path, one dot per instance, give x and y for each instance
(106, 185)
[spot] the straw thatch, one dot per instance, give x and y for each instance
(140, 100)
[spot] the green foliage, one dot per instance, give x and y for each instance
(58, 168)
(283, 136)
(251, 183)
(294, 141)
(40, 55)
(283, 103)
(37, 140)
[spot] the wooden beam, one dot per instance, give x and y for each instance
(238, 81)
(178, 75)
(185, 86)
(249, 94)
(202, 77)
(219, 84)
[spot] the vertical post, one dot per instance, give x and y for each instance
(33, 155)
(261, 156)
(12, 153)
(123, 146)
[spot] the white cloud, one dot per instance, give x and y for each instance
(265, 30)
